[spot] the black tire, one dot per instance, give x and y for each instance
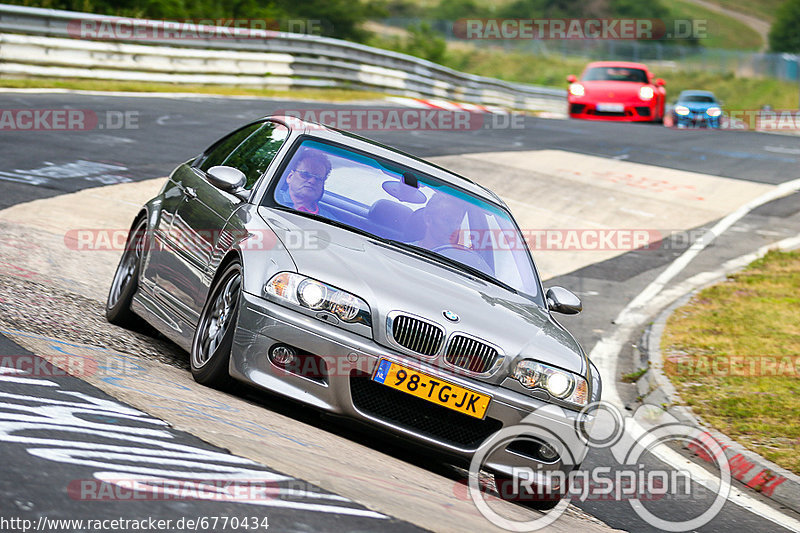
(126, 279)
(213, 338)
(505, 488)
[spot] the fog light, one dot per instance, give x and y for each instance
(547, 452)
(282, 355)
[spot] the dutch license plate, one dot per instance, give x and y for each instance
(611, 108)
(434, 390)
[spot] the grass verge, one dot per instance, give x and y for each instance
(148, 87)
(510, 65)
(733, 353)
(763, 9)
(723, 31)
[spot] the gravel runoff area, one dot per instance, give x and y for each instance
(30, 306)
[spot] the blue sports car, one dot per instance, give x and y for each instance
(698, 109)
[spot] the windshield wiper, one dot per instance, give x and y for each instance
(450, 262)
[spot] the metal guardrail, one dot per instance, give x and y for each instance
(45, 42)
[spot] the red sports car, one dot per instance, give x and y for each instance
(616, 90)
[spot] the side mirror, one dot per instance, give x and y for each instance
(572, 78)
(228, 179)
(660, 82)
(560, 300)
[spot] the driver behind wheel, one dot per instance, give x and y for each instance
(305, 183)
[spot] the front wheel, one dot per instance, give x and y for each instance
(213, 338)
(126, 279)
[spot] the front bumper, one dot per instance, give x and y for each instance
(631, 111)
(348, 391)
(696, 120)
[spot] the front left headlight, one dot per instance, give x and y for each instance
(646, 93)
(314, 295)
(558, 383)
(714, 111)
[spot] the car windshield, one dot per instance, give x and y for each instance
(699, 98)
(418, 212)
(615, 74)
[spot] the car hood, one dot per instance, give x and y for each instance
(390, 279)
(612, 91)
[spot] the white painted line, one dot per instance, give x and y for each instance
(27, 381)
(606, 351)
(5, 370)
(638, 212)
(708, 480)
(686, 257)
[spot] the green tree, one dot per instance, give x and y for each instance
(337, 18)
(423, 42)
(784, 35)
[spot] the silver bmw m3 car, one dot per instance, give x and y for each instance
(362, 281)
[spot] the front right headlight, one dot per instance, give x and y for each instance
(311, 294)
(682, 110)
(576, 89)
(558, 383)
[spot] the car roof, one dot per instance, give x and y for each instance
(624, 64)
(322, 131)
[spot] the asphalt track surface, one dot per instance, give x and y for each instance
(32, 488)
(172, 130)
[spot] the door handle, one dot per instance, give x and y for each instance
(191, 192)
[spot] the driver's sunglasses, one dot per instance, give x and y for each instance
(308, 176)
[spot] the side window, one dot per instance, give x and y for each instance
(254, 154)
(219, 152)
